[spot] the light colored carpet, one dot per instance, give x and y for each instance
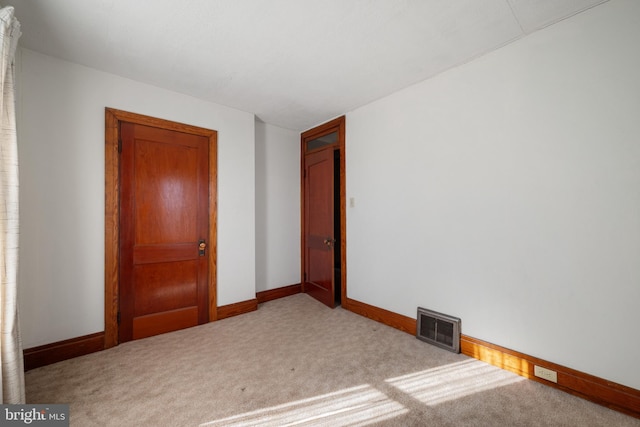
(296, 362)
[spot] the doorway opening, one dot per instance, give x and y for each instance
(337, 229)
(323, 274)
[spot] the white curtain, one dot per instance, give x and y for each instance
(12, 365)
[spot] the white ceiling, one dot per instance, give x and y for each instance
(294, 63)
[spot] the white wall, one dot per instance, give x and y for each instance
(277, 207)
(61, 147)
(507, 192)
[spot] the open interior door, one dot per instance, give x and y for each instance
(319, 225)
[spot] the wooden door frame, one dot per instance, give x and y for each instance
(113, 118)
(335, 125)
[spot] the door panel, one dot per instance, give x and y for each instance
(168, 321)
(164, 202)
(319, 215)
(164, 286)
(166, 187)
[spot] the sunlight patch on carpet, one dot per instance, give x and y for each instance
(454, 381)
(360, 405)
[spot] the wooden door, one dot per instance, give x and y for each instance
(164, 224)
(319, 225)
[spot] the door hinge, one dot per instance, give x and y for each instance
(119, 144)
(118, 318)
(305, 277)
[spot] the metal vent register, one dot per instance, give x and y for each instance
(439, 329)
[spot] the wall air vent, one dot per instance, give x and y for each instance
(439, 329)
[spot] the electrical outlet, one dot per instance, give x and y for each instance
(545, 374)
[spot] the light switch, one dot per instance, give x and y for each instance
(352, 202)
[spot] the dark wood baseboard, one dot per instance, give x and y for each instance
(606, 393)
(62, 350)
(271, 294)
(47, 354)
(237, 308)
(389, 318)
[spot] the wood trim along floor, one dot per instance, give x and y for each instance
(389, 318)
(271, 294)
(237, 308)
(62, 350)
(68, 349)
(606, 393)
(47, 354)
